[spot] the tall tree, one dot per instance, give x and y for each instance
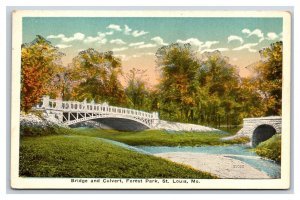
(95, 77)
(40, 62)
(218, 80)
(178, 84)
(136, 89)
(269, 77)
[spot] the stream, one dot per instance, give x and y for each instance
(238, 152)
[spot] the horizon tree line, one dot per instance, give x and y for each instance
(206, 90)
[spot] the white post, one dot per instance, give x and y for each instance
(45, 101)
(58, 104)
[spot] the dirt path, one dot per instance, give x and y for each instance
(218, 165)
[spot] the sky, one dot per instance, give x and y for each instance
(136, 39)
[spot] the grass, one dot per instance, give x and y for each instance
(270, 148)
(82, 156)
(160, 138)
(61, 152)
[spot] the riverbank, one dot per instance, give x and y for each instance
(71, 155)
(161, 137)
(219, 165)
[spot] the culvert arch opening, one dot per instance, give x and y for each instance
(262, 133)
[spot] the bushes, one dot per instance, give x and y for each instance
(270, 148)
(34, 124)
(27, 130)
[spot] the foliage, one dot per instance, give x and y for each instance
(202, 88)
(270, 148)
(79, 156)
(136, 90)
(197, 90)
(160, 138)
(40, 61)
(269, 78)
(32, 130)
(240, 140)
(95, 77)
(177, 86)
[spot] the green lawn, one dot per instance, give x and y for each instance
(160, 138)
(82, 156)
(61, 152)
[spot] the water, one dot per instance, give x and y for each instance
(238, 152)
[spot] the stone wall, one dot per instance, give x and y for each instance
(250, 124)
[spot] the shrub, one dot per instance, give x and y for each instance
(270, 148)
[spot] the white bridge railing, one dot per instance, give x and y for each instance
(85, 111)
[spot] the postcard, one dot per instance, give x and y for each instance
(150, 99)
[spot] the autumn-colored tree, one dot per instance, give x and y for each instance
(40, 62)
(95, 77)
(178, 82)
(269, 77)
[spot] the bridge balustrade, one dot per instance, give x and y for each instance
(75, 106)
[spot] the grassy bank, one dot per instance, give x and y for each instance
(81, 156)
(270, 148)
(160, 138)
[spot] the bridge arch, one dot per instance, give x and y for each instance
(123, 123)
(262, 133)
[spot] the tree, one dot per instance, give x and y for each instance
(269, 77)
(95, 77)
(218, 83)
(178, 84)
(40, 62)
(136, 90)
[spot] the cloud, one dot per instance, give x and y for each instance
(59, 36)
(235, 37)
(192, 41)
(139, 33)
(216, 49)
(208, 44)
(257, 32)
(63, 46)
(127, 30)
(197, 43)
(75, 37)
(146, 46)
(135, 33)
(109, 33)
(117, 41)
(158, 40)
(100, 38)
(246, 31)
(248, 46)
(119, 49)
(136, 44)
(114, 27)
(272, 36)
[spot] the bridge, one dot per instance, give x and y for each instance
(260, 129)
(73, 112)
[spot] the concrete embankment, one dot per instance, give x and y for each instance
(176, 126)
